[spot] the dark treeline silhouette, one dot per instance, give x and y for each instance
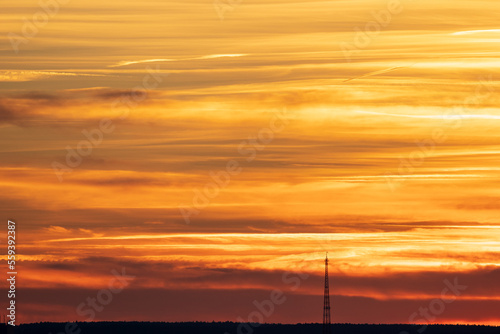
(237, 328)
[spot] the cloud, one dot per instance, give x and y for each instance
(472, 32)
(448, 116)
(17, 75)
(126, 63)
(74, 231)
(321, 178)
(167, 304)
(57, 229)
(377, 72)
(7, 114)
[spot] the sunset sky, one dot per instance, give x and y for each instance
(207, 148)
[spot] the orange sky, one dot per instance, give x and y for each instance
(215, 147)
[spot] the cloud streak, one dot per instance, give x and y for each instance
(126, 63)
(439, 117)
(473, 32)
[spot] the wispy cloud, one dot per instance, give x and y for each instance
(443, 117)
(126, 63)
(219, 56)
(377, 72)
(15, 75)
(470, 32)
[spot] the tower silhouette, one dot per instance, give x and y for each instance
(326, 302)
